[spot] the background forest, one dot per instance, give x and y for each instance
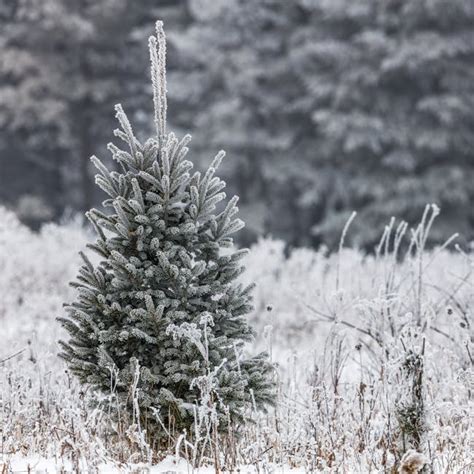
(323, 106)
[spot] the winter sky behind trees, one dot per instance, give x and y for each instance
(323, 106)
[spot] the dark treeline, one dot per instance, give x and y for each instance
(323, 106)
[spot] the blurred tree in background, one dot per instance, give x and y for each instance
(324, 106)
(393, 105)
(58, 85)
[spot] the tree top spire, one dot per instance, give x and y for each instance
(157, 48)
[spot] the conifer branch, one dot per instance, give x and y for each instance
(157, 48)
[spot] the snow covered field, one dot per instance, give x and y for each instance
(343, 329)
(171, 464)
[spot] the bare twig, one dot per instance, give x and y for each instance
(2, 361)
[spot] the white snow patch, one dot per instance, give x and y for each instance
(169, 465)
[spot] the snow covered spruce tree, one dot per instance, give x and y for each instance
(163, 308)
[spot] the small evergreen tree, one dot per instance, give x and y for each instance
(163, 308)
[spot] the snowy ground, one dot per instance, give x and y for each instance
(169, 465)
(319, 316)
